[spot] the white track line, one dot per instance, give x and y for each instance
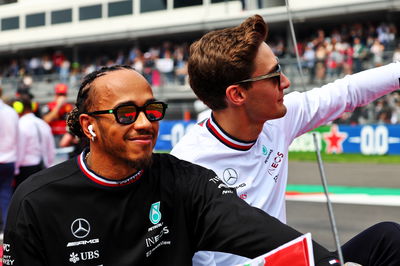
(363, 199)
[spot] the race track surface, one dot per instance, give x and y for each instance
(351, 218)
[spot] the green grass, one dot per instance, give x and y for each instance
(345, 158)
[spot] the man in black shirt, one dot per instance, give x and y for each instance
(117, 203)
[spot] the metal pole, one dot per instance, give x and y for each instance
(328, 201)
(321, 168)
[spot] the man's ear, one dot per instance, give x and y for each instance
(84, 120)
(235, 94)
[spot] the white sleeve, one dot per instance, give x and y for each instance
(23, 136)
(203, 258)
(319, 106)
(48, 145)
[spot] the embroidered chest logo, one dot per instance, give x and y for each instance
(84, 256)
(230, 176)
(80, 228)
(74, 257)
(276, 162)
(155, 214)
(265, 150)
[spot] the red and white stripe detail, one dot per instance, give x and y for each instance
(229, 141)
(103, 181)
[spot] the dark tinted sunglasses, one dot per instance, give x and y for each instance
(276, 75)
(128, 113)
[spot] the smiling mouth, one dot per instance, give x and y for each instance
(141, 139)
(143, 142)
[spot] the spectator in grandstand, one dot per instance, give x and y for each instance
(136, 60)
(396, 112)
(334, 61)
(377, 50)
(47, 64)
(13, 69)
(75, 73)
(165, 66)
(347, 51)
(383, 34)
(148, 66)
(385, 116)
(65, 71)
(35, 66)
(55, 112)
(246, 138)
(279, 47)
(320, 38)
(392, 37)
(36, 149)
(366, 114)
(180, 65)
(120, 60)
(133, 54)
(8, 155)
(343, 119)
(360, 53)
(309, 62)
(320, 67)
(58, 59)
(118, 191)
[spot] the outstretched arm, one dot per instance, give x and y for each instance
(319, 106)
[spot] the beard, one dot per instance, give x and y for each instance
(140, 163)
(121, 153)
(137, 163)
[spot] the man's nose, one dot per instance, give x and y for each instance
(285, 82)
(142, 121)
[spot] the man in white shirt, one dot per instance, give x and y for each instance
(246, 139)
(37, 148)
(8, 155)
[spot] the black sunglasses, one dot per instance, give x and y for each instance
(127, 113)
(276, 75)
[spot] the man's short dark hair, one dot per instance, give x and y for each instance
(26, 101)
(223, 57)
(84, 99)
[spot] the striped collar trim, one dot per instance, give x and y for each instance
(103, 181)
(225, 138)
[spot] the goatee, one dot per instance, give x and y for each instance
(141, 163)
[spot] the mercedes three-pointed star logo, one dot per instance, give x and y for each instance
(80, 228)
(230, 176)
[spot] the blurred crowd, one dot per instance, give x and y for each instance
(161, 65)
(348, 50)
(326, 55)
(351, 49)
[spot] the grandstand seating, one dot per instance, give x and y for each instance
(91, 33)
